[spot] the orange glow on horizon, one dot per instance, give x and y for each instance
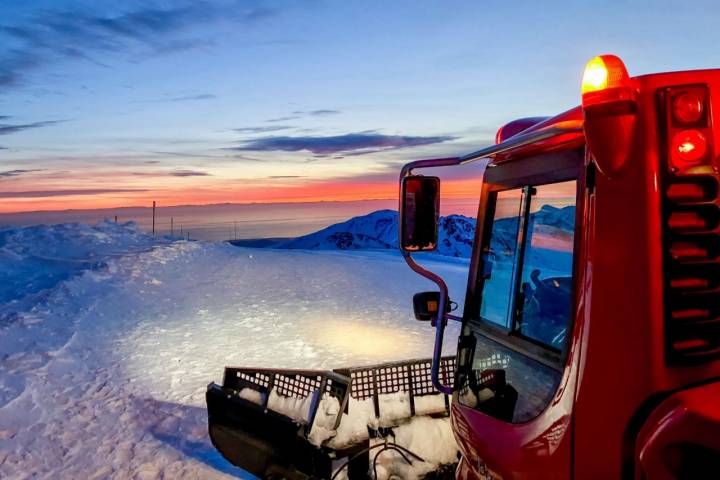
(328, 191)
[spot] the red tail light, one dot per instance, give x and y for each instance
(688, 147)
(689, 129)
(688, 108)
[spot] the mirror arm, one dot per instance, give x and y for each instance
(435, 162)
(439, 322)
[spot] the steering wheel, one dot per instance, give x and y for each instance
(546, 308)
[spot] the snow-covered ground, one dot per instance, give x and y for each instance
(103, 367)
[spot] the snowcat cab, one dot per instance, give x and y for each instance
(590, 340)
(590, 335)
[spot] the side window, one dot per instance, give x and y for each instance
(526, 305)
(545, 299)
(499, 258)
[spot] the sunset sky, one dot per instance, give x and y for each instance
(250, 101)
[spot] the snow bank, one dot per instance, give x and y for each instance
(103, 375)
(37, 258)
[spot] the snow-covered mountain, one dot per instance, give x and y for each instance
(379, 230)
(375, 230)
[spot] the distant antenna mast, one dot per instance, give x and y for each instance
(172, 229)
(153, 218)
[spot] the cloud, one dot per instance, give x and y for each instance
(369, 142)
(160, 173)
(17, 173)
(275, 177)
(180, 154)
(182, 98)
(297, 114)
(318, 113)
(271, 128)
(186, 98)
(66, 193)
(7, 129)
(84, 35)
(283, 119)
(189, 173)
(5, 117)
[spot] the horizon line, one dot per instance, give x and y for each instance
(195, 205)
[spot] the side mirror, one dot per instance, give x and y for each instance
(419, 213)
(425, 305)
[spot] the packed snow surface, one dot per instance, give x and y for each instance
(103, 371)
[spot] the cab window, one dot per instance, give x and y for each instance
(526, 304)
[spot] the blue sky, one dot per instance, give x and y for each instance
(112, 103)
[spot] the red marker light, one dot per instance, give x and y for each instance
(687, 108)
(688, 146)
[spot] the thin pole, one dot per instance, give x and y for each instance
(115, 218)
(172, 229)
(235, 230)
(153, 218)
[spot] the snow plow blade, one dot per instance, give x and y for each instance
(268, 443)
(286, 424)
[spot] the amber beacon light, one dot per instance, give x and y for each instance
(610, 108)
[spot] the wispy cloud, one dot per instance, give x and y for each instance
(277, 177)
(7, 129)
(188, 173)
(283, 119)
(179, 154)
(351, 142)
(84, 35)
(17, 173)
(270, 128)
(181, 98)
(66, 193)
(317, 113)
(297, 114)
(172, 173)
(191, 98)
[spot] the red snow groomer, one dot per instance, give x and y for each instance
(590, 335)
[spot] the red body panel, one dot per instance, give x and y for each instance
(689, 417)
